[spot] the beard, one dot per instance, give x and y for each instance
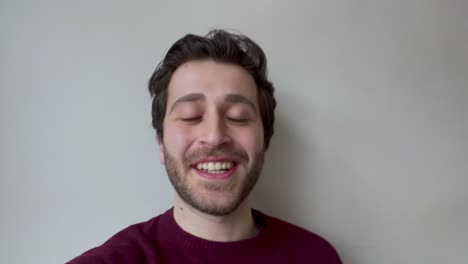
(214, 198)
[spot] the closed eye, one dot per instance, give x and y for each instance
(191, 119)
(237, 120)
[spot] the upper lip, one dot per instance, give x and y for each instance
(214, 159)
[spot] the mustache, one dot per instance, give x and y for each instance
(228, 153)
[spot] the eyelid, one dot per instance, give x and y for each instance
(191, 119)
(237, 120)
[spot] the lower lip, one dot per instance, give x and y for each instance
(221, 176)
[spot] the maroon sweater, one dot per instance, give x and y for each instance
(161, 240)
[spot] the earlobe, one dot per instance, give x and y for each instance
(161, 152)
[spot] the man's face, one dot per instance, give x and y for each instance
(213, 146)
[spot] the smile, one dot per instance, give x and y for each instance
(215, 169)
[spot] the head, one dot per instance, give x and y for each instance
(213, 111)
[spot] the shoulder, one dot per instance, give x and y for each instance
(288, 231)
(126, 246)
(299, 240)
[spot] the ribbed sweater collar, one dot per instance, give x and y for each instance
(173, 234)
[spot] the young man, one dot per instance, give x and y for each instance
(213, 111)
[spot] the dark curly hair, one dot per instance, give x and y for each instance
(220, 46)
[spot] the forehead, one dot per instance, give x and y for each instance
(212, 79)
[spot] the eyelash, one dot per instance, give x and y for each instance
(191, 119)
(237, 120)
(198, 118)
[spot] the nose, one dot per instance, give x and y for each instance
(214, 132)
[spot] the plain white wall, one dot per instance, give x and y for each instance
(371, 140)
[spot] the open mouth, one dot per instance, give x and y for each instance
(215, 169)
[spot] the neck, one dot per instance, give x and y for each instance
(235, 226)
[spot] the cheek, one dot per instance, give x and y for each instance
(177, 138)
(252, 140)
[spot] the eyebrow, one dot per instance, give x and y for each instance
(237, 98)
(230, 98)
(192, 97)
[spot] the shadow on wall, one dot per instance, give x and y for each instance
(280, 187)
(311, 184)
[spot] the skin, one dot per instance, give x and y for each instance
(212, 113)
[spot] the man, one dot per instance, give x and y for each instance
(213, 111)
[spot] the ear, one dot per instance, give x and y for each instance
(161, 151)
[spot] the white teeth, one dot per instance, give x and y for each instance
(214, 167)
(215, 171)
